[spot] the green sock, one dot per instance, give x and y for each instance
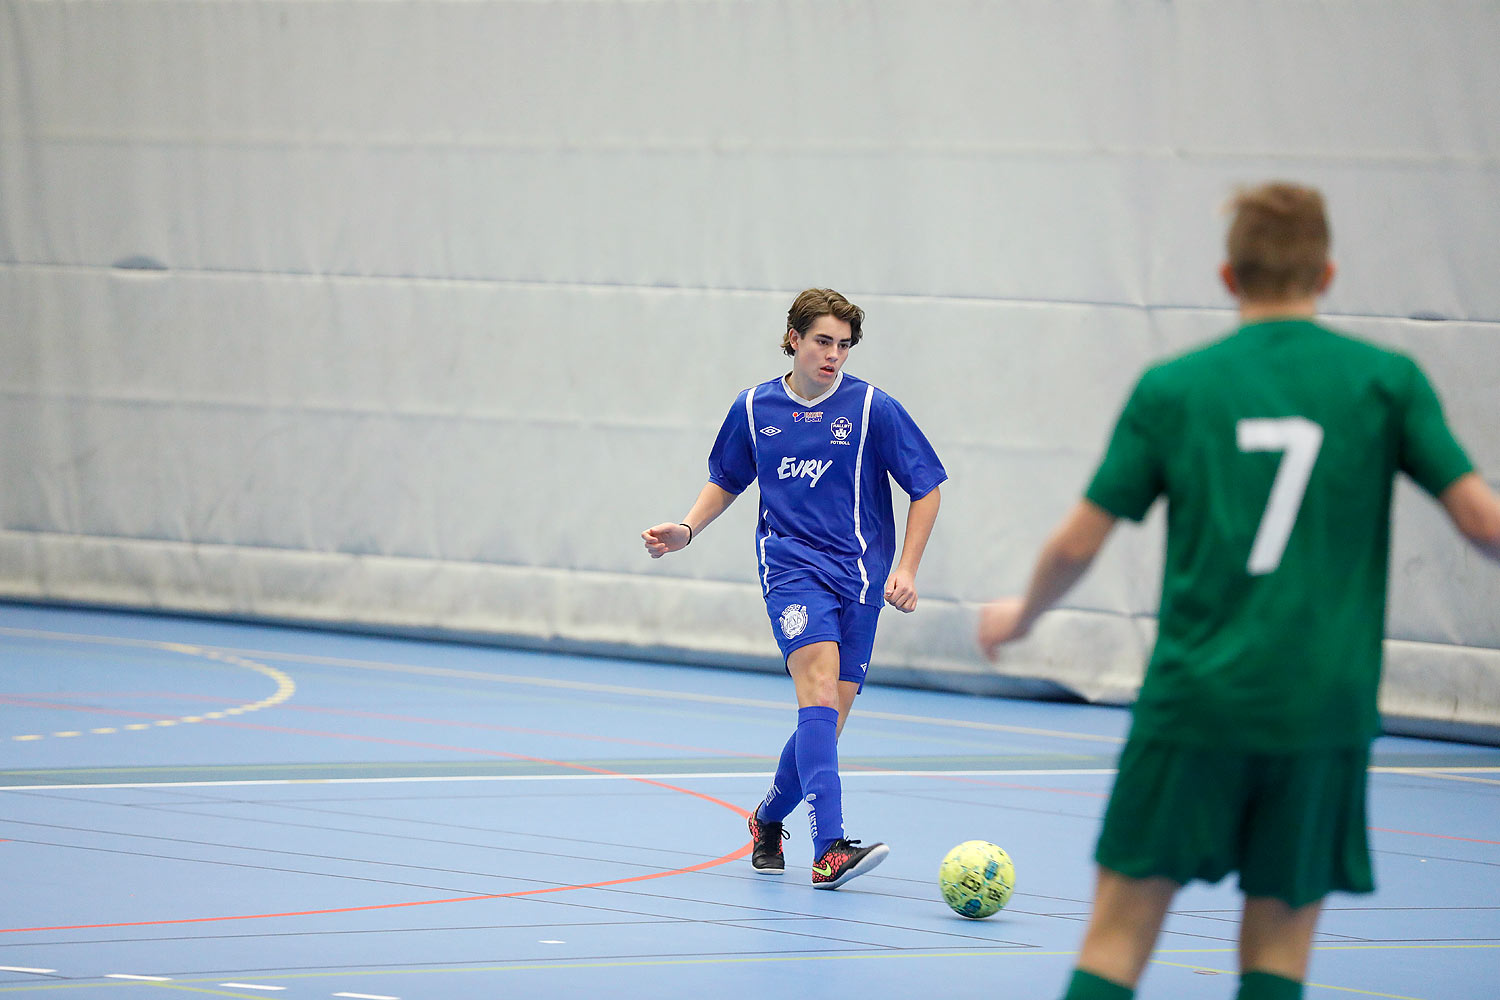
(1087, 986)
(1268, 986)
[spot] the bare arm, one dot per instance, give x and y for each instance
(663, 538)
(1063, 560)
(901, 587)
(1475, 510)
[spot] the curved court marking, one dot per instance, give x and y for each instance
(700, 866)
(549, 682)
(653, 693)
(234, 658)
(285, 686)
(597, 771)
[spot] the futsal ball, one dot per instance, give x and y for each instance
(976, 878)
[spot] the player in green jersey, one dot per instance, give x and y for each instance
(1276, 449)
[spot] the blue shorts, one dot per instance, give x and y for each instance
(804, 612)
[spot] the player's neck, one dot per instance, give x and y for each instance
(806, 393)
(1260, 311)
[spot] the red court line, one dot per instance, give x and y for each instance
(393, 906)
(68, 707)
(1436, 836)
(740, 853)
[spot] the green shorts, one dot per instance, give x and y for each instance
(1292, 825)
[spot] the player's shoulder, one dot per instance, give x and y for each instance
(853, 385)
(760, 390)
(883, 406)
(1252, 341)
(1354, 359)
(1361, 348)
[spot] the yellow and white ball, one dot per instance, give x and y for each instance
(976, 878)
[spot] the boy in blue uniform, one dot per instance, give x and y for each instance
(824, 446)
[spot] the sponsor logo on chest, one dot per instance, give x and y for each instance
(803, 468)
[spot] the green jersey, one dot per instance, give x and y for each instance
(1276, 448)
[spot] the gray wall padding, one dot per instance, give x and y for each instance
(424, 310)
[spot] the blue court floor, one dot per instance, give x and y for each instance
(247, 811)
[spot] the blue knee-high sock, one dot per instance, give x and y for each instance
(786, 786)
(818, 763)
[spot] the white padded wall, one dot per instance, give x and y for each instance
(413, 314)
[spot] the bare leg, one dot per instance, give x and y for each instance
(1276, 938)
(1127, 917)
(847, 691)
(815, 675)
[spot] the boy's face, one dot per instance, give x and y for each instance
(819, 354)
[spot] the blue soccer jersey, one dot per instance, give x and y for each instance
(825, 468)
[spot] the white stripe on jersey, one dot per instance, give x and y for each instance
(765, 586)
(750, 417)
(859, 458)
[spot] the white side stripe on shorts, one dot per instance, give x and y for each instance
(859, 459)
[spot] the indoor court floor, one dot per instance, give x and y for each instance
(195, 806)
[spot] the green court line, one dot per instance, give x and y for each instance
(484, 768)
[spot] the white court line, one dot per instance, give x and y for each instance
(250, 986)
(758, 775)
(1435, 772)
(144, 979)
(20, 968)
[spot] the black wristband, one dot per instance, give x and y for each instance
(689, 527)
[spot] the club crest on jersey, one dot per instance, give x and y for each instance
(793, 620)
(770, 431)
(807, 417)
(842, 428)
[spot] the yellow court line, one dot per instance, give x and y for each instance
(1408, 946)
(1446, 773)
(763, 959)
(1311, 985)
(285, 686)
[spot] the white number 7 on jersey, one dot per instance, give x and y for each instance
(1300, 439)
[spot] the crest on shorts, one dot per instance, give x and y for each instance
(793, 620)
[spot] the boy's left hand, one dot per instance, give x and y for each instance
(901, 592)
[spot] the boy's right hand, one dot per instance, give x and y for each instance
(665, 538)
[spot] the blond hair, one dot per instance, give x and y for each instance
(1278, 241)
